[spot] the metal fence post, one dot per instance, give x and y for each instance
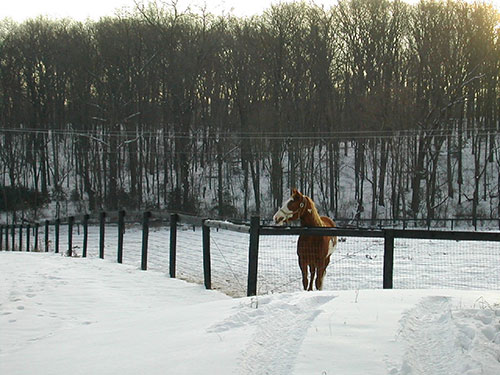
(46, 236)
(207, 267)
(253, 256)
(56, 248)
(102, 221)
(85, 234)
(71, 221)
(173, 243)
(121, 231)
(145, 236)
(388, 258)
(1, 237)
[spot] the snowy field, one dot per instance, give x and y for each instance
(357, 262)
(62, 315)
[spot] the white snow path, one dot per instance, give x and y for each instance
(281, 323)
(441, 339)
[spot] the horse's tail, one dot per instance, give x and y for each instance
(332, 243)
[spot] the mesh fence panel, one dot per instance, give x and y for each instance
(189, 261)
(132, 244)
(356, 263)
(424, 264)
(158, 246)
(93, 241)
(229, 259)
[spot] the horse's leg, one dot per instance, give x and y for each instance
(303, 269)
(322, 273)
(319, 277)
(313, 272)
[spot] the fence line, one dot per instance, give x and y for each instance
(238, 254)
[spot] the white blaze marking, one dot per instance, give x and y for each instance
(283, 213)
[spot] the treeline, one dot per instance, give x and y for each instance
(187, 111)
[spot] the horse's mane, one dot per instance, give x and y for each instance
(314, 213)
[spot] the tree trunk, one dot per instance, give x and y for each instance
(383, 171)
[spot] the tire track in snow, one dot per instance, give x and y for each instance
(442, 341)
(281, 324)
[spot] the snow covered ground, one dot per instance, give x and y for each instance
(62, 315)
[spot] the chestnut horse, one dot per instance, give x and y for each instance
(313, 251)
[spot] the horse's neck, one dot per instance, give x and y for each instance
(310, 217)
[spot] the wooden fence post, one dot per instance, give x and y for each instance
(46, 236)
(20, 237)
(207, 267)
(173, 243)
(35, 246)
(102, 222)
(28, 230)
(253, 256)
(145, 236)
(85, 234)
(121, 231)
(71, 221)
(6, 238)
(388, 258)
(13, 235)
(56, 248)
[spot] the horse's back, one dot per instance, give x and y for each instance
(327, 222)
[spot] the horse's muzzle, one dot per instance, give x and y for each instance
(280, 219)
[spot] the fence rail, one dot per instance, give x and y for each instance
(229, 252)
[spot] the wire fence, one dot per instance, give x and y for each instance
(229, 261)
(243, 260)
(356, 263)
(429, 263)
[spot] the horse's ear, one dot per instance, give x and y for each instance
(296, 194)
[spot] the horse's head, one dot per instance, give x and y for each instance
(292, 209)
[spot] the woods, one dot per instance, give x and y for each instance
(374, 108)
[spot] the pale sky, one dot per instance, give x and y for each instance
(20, 10)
